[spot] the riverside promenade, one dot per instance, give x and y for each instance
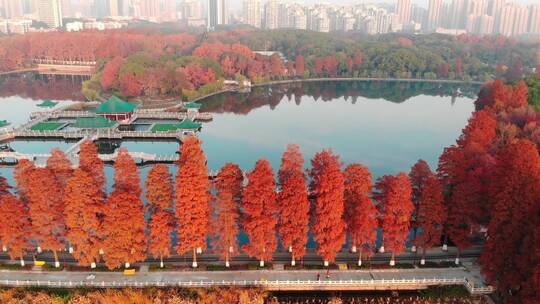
(295, 280)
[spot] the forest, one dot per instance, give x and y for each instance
(487, 181)
(149, 62)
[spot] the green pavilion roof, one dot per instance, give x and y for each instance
(47, 126)
(93, 122)
(188, 124)
(193, 105)
(47, 103)
(3, 123)
(115, 105)
(164, 127)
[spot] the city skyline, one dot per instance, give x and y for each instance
(454, 17)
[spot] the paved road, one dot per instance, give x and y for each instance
(281, 257)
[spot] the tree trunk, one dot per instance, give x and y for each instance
(161, 261)
(56, 262)
(423, 260)
(392, 260)
(194, 258)
(458, 254)
(293, 262)
(445, 246)
(360, 257)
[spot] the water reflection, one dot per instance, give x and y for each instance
(393, 91)
(367, 122)
(40, 86)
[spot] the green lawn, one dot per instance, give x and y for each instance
(47, 126)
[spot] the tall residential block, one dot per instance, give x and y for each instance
(50, 12)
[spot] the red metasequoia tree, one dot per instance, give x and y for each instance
(192, 199)
(83, 207)
(510, 256)
(293, 203)
(360, 212)
(14, 227)
(159, 195)
(260, 207)
(46, 204)
(126, 173)
(464, 174)
(327, 186)
(124, 224)
(393, 193)
(228, 188)
(125, 238)
(429, 213)
(418, 177)
(21, 174)
(60, 167)
(90, 163)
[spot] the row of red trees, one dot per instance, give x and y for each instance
(57, 206)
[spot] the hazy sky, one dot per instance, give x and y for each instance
(238, 3)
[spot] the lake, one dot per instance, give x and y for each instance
(386, 126)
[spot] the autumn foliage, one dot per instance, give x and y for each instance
(159, 195)
(124, 224)
(508, 258)
(327, 187)
(192, 198)
(83, 209)
(393, 194)
(360, 212)
(293, 202)
(429, 210)
(260, 206)
(226, 219)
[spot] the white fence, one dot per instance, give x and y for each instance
(272, 285)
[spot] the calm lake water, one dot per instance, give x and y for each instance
(386, 126)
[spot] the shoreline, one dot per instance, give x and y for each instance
(348, 79)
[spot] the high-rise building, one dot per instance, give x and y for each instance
(114, 8)
(403, 10)
(150, 9)
(67, 10)
(50, 12)
(170, 10)
(434, 14)
(217, 13)
(12, 9)
(418, 14)
(191, 10)
(494, 10)
(252, 12)
(534, 19)
(271, 14)
(514, 19)
(458, 14)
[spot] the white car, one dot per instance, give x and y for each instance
(90, 277)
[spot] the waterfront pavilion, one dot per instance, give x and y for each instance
(115, 109)
(47, 103)
(192, 108)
